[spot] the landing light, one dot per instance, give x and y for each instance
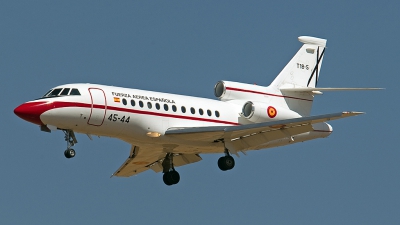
(153, 134)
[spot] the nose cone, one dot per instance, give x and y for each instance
(31, 111)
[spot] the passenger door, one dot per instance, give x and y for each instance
(99, 107)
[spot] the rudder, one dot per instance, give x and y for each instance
(302, 71)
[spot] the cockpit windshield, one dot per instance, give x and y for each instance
(57, 92)
(47, 93)
(65, 91)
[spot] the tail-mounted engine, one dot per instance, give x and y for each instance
(257, 112)
(228, 90)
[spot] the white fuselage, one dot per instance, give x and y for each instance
(142, 117)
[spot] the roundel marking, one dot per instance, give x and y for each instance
(271, 112)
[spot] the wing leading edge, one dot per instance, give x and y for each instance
(244, 137)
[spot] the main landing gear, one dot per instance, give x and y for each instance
(226, 162)
(71, 141)
(171, 176)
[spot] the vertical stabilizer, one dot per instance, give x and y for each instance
(302, 71)
(304, 68)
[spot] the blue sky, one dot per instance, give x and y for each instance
(185, 48)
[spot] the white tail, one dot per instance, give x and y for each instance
(302, 71)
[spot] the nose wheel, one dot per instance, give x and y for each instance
(69, 153)
(71, 141)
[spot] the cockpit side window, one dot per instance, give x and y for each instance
(75, 91)
(55, 92)
(65, 91)
(47, 93)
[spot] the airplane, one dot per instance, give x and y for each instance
(168, 130)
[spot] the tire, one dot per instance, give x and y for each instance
(166, 179)
(174, 177)
(226, 163)
(69, 153)
(221, 164)
(229, 162)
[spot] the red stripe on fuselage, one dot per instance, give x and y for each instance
(264, 93)
(88, 105)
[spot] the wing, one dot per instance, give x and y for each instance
(149, 157)
(245, 137)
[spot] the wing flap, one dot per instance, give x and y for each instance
(138, 161)
(142, 159)
(207, 133)
(179, 160)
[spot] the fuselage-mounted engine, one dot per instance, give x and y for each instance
(258, 112)
(228, 90)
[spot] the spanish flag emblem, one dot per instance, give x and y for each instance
(271, 112)
(116, 99)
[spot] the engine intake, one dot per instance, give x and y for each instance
(228, 90)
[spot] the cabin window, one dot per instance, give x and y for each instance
(216, 113)
(75, 91)
(192, 110)
(141, 104)
(166, 107)
(157, 106)
(183, 109)
(149, 105)
(65, 91)
(124, 101)
(208, 112)
(201, 111)
(133, 102)
(174, 108)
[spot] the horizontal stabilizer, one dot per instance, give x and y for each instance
(313, 41)
(316, 90)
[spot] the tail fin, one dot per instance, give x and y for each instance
(302, 71)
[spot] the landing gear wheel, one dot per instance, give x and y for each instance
(69, 137)
(69, 153)
(166, 179)
(171, 177)
(174, 177)
(226, 163)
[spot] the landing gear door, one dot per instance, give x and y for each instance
(99, 107)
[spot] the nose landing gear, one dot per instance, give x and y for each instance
(69, 153)
(71, 141)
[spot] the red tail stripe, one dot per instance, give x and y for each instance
(264, 93)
